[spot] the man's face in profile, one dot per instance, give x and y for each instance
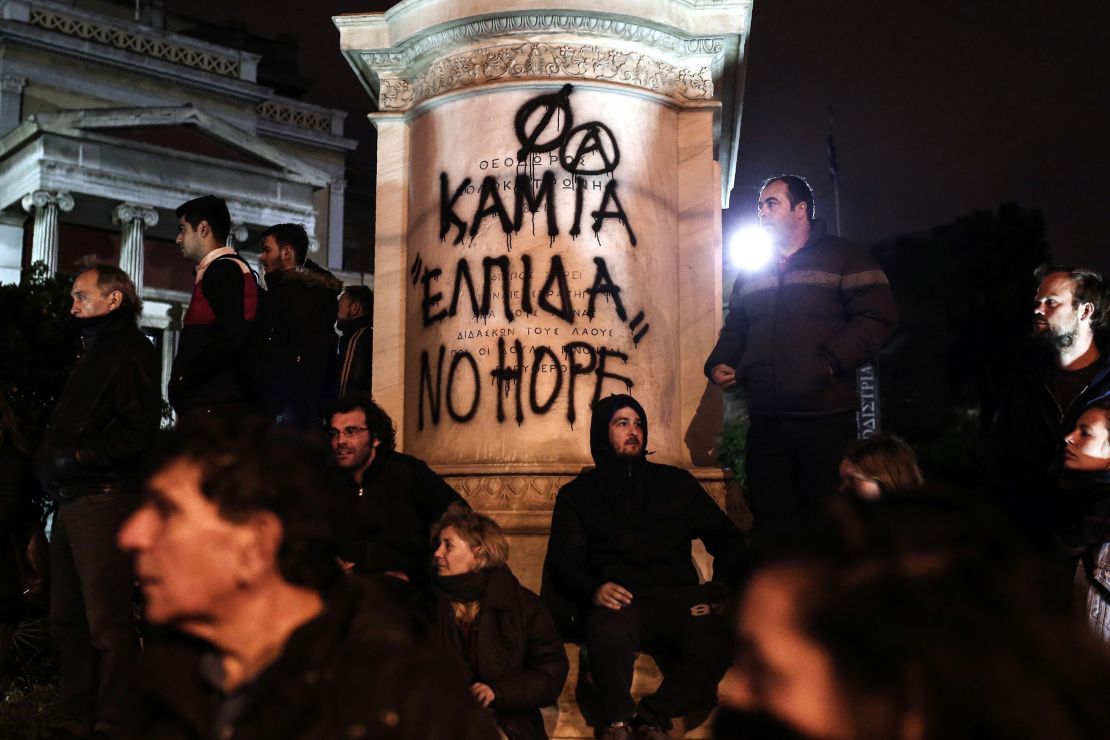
(1055, 315)
(188, 557)
(626, 433)
(351, 442)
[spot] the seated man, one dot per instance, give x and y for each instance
(393, 499)
(234, 545)
(620, 548)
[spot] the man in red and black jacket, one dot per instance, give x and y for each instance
(206, 374)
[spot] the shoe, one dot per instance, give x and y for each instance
(650, 732)
(617, 731)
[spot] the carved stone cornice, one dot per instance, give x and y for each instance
(526, 23)
(548, 61)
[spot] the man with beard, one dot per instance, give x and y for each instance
(298, 328)
(392, 499)
(105, 417)
(356, 344)
(1049, 394)
(620, 554)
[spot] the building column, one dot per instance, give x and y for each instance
(135, 219)
(336, 227)
(45, 204)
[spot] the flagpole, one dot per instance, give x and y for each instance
(834, 169)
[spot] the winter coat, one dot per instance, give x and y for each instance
(388, 519)
(108, 410)
(298, 326)
(355, 367)
(215, 332)
(355, 671)
(796, 332)
(520, 654)
(1027, 438)
(631, 522)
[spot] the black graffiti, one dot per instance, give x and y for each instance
(604, 212)
(551, 106)
(583, 360)
(447, 215)
(491, 204)
(502, 281)
(593, 138)
(543, 124)
(433, 393)
(604, 285)
(638, 331)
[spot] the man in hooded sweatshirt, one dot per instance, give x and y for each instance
(620, 552)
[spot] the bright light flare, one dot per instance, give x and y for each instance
(750, 248)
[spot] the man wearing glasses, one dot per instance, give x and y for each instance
(394, 498)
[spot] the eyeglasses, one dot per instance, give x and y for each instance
(346, 432)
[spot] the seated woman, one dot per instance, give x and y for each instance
(498, 629)
(880, 465)
(1082, 526)
(910, 617)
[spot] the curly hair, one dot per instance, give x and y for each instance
(377, 421)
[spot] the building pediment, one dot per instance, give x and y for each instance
(182, 130)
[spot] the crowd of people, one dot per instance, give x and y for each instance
(301, 577)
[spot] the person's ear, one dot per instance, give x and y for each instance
(203, 230)
(258, 546)
(1086, 311)
(114, 300)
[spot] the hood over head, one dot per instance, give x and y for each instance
(604, 410)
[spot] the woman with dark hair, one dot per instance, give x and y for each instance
(499, 630)
(910, 618)
(1082, 527)
(878, 465)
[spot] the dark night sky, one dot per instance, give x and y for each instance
(941, 107)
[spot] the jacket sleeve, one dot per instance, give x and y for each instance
(540, 680)
(734, 334)
(870, 312)
(134, 415)
(223, 287)
(568, 553)
(722, 539)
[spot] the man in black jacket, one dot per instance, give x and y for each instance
(620, 551)
(1048, 394)
(392, 499)
(235, 547)
(298, 326)
(108, 410)
(354, 371)
(796, 332)
(207, 375)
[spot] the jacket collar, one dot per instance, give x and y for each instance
(211, 257)
(95, 329)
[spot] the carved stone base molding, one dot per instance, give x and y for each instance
(522, 500)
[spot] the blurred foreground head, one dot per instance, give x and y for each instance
(912, 618)
(232, 508)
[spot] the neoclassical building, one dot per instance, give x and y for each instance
(109, 119)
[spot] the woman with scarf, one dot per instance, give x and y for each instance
(499, 630)
(1083, 513)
